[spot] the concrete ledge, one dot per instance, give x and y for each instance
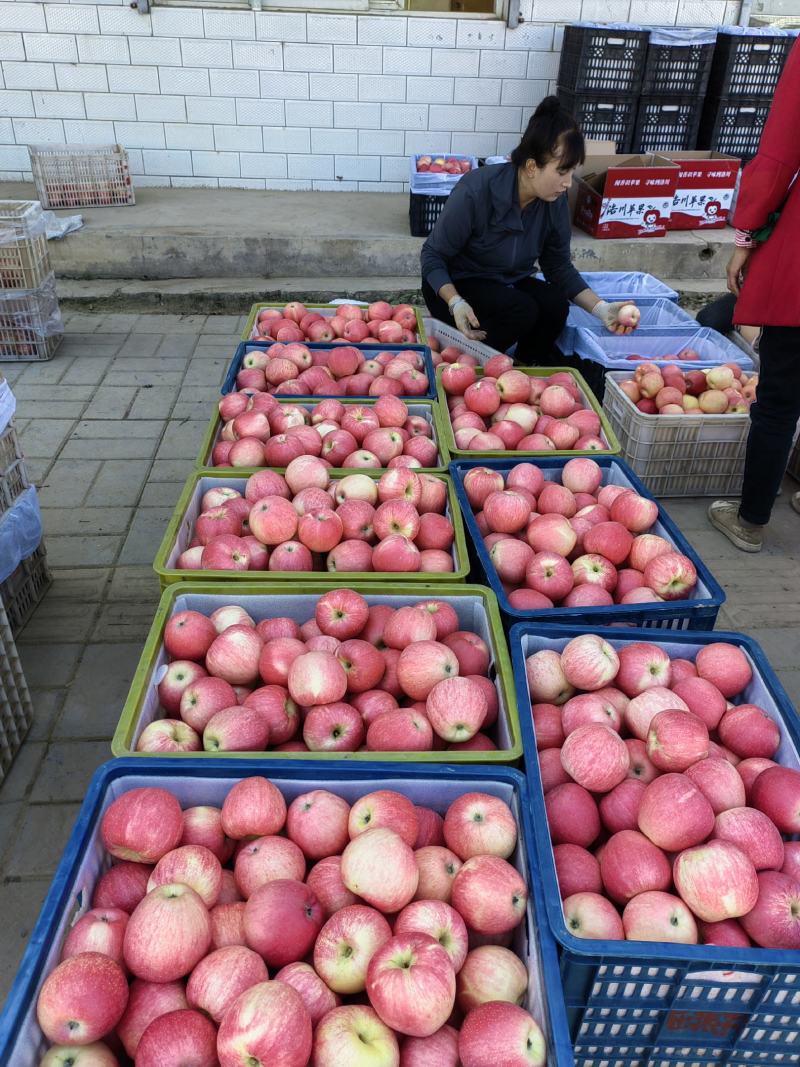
(232, 233)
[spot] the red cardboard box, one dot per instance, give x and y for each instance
(626, 196)
(706, 182)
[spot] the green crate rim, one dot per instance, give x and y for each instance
(448, 439)
(255, 308)
(322, 579)
(210, 436)
(123, 734)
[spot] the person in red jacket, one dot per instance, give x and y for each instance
(765, 276)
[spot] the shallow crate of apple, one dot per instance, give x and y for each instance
(329, 370)
(307, 519)
(506, 409)
(379, 322)
(670, 787)
(574, 542)
(346, 672)
(259, 431)
(286, 919)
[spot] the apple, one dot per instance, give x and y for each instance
(589, 662)
(596, 757)
(380, 867)
(572, 814)
(317, 822)
(94, 1055)
(325, 879)
(438, 1050)
(727, 933)
(497, 1033)
(316, 678)
(227, 924)
(619, 809)
(281, 921)
(122, 886)
(268, 1023)
(354, 1034)
(202, 699)
(253, 807)
(236, 729)
(702, 698)
(188, 635)
(719, 782)
(776, 792)
(676, 740)
(265, 859)
(642, 665)
(657, 916)
(341, 613)
(478, 824)
(168, 934)
(424, 664)
(774, 921)
(590, 915)
(346, 944)
(384, 809)
(437, 868)
(98, 930)
(192, 865)
(631, 864)
(749, 732)
(726, 666)
(186, 1036)
(142, 825)
(316, 996)
(641, 711)
(717, 880)
(490, 895)
(82, 999)
(411, 984)
(439, 921)
(577, 870)
(674, 814)
(178, 676)
(754, 834)
(220, 977)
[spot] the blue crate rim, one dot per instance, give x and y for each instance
(32, 963)
(229, 385)
(595, 615)
(637, 951)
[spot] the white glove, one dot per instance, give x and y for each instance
(465, 319)
(609, 315)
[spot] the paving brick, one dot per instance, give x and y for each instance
(181, 440)
(144, 377)
(153, 403)
(51, 409)
(89, 371)
(176, 345)
(171, 470)
(42, 438)
(171, 324)
(210, 349)
(191, 409)
(145, 535)
(68, 482)
(54, 618)
(47, 704)
(133, 583)
(95, 698)
(52, 394)
(140, 344)
(22, 772)
(72, 521)
(46, 373)
(49, 667)
(20, 904)
(161, 494)
(113, 448)
(120, 482)
(73, 551)
(224, 324)
(119, 322)
(66, 769)
(41, 836)
(79, 585)
(113, 428)
(129, 621)
(110, 402)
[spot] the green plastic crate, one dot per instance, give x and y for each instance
(326, 310)
(181, 525)
(447, 437)
(425, 408)
(478, 611)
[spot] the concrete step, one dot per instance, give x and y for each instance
(245, 234)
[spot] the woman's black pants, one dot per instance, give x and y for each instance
(530, 313)
(773, 421)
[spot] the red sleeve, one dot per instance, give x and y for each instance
(767, 178)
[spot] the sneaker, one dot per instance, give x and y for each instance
(724, 515)
(795, 502)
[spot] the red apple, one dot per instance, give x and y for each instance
(497, 1033)
(490, 895)
(82, 999)
(268, 1023)
(281, 921)
(674, 814)
(380, 867)
(142, 825)
(345, 946)
(656, 916)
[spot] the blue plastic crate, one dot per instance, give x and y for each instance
(84, 859)
(698, 613)
(657, 312)
(646, 1003)
(624, 285)
(370, 351)
(660, 345)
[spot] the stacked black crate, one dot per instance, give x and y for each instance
(675, 79)
(600, 78)
(747, 65)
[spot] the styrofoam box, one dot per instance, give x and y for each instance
(449, 335)
(25, 1045)
(300, 607)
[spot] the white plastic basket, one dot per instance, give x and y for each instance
(449, 335)
(678, 455)
(24, 259)
(30, 322)
(426, 182)
(81, 175)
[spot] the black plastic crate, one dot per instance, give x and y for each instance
(606, 59)
(733, 125)
(677, 69)
(423, 211)
(667, 123)
(748, 65)
(603, 116)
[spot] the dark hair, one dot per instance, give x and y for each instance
(551, 131)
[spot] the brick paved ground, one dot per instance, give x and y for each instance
(110, 429)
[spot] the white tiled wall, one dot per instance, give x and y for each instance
(270, 100)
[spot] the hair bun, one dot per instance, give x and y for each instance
(548, 108)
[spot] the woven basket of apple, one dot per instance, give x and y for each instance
(261, 914)
(665, 783)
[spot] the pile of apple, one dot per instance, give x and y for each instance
(508, 410)
(294, 370)
(377, 323)
(259, 431)
(302, 520)
(663, 800)
(574, 544)
(317, 934)
(351, 677)
(443, 165)
(667, 390)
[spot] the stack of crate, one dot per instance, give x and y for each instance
(747, 65)
(30, 320)
(600, 79)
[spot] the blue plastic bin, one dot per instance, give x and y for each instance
(656, 312)
(620, 285)
(84, 859)
(644, 1003)
(698, 613)
(370, 351)
(660, 345)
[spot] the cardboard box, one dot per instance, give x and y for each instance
(706, 182)
(625, 196)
